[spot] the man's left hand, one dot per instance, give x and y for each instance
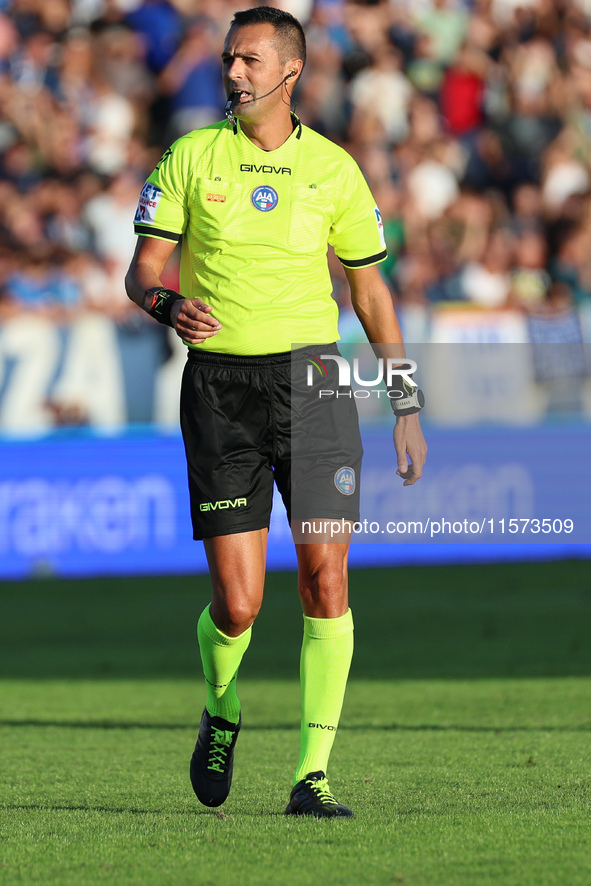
(411, 448)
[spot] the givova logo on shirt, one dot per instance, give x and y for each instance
(264, 198)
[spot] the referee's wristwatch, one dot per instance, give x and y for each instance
(162, 300)
(408, 404)
(405, 398)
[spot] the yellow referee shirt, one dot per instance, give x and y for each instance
(255, 227)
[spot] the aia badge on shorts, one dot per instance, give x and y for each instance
(264, 198)
(344, 480)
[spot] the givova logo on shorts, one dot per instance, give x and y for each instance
(223, 505)
(264, 198)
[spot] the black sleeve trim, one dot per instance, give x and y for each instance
(150, 231)
(362, 262)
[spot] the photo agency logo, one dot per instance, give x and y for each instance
(396, 376)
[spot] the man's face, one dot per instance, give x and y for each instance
(251, 66)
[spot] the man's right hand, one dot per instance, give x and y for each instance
(193, 321)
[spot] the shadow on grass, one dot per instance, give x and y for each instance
(199, 811)
(111, 810)
(291, 727)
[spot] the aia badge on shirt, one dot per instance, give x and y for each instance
(264, 198)
(344, 480)
(146, 209)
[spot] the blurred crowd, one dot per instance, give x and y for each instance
(471, 120)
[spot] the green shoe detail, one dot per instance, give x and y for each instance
(212, 762)
(221, 744)
(312, 796)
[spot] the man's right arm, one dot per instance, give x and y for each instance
(190, 318)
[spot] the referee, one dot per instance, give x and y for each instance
(255, 200)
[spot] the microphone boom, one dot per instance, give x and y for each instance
(234, 100)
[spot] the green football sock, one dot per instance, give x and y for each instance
(327, 650)
(221, 657)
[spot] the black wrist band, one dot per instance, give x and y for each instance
(162, 302)
(405, 398)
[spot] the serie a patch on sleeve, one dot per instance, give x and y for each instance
(380, 224)
(148, 204)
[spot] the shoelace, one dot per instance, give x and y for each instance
(322, 790)
(220, 745)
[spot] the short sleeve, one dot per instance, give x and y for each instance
(357, 233)
(162, 208)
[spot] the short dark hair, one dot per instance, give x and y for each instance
(290, 39)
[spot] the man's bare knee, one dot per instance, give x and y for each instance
(237, 569)
(323, 580)
(323, 586)
(233, 617)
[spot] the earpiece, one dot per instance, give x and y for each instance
(292, 74)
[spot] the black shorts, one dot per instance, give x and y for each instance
(248, 422)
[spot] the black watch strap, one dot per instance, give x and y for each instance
(162, 302)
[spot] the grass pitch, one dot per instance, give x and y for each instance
(464, 746)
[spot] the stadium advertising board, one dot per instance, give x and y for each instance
(80, 505)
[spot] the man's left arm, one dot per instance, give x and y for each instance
(373, 305)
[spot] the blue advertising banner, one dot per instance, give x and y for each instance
(82, 504)
(495, 485)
